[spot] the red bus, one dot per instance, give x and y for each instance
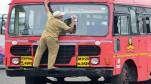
(112, 40)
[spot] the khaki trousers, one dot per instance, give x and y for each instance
(53, 46)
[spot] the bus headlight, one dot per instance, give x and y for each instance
(15, 61)
(94, 61)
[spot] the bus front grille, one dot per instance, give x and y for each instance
(21, 50)
(66, 52)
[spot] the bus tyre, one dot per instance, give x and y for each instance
(35, 80)
(94, 79)
(60, 80)
(124, 77)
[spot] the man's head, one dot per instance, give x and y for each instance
(58, 14)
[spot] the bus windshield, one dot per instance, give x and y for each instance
(29, 20)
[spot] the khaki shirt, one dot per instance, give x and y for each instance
(54, 26)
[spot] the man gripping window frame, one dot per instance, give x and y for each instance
(49, 38)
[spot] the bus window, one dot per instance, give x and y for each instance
(141, 24)
(124, 25)
(11, 23)
(147, 23)
(150, 23)
(116, 28)
(91, 18)
(27, 20)
(133, 22)
(30, 19)
(121, 25)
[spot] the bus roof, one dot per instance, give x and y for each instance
(40, 1)
(134, 2)
(127, 2)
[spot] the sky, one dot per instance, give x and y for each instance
(4, 6)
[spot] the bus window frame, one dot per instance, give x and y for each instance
(133, 8)
(147, 15)
(13, 6)
(144, 11)
(122, 14)
(118, 11)
(144, 27)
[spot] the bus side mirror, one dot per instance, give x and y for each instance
(1, 22)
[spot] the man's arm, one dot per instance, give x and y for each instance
(65, 27)
(46, 2)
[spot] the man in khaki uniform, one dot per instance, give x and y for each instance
(49, 37)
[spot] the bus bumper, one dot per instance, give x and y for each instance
(61, 72)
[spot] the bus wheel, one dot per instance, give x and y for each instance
(60, 80)
(124, 77)
(35, 80)
(94, 79)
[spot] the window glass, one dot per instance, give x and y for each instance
(140, 10)
(27, 20)
(91, 18)
(141, 25)
(147, 24)
(11, 22)
(121, 25)
(121, 9)
(124, 25)
(133, 22)
(147, 10)
(150, 23)
(31, 19)
(116, 25)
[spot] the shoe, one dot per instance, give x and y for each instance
(53, 68)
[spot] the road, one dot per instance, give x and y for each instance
(20, 80)
(10, 80)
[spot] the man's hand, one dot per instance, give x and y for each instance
(74, 18)
(73, 24)
(46, 2)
